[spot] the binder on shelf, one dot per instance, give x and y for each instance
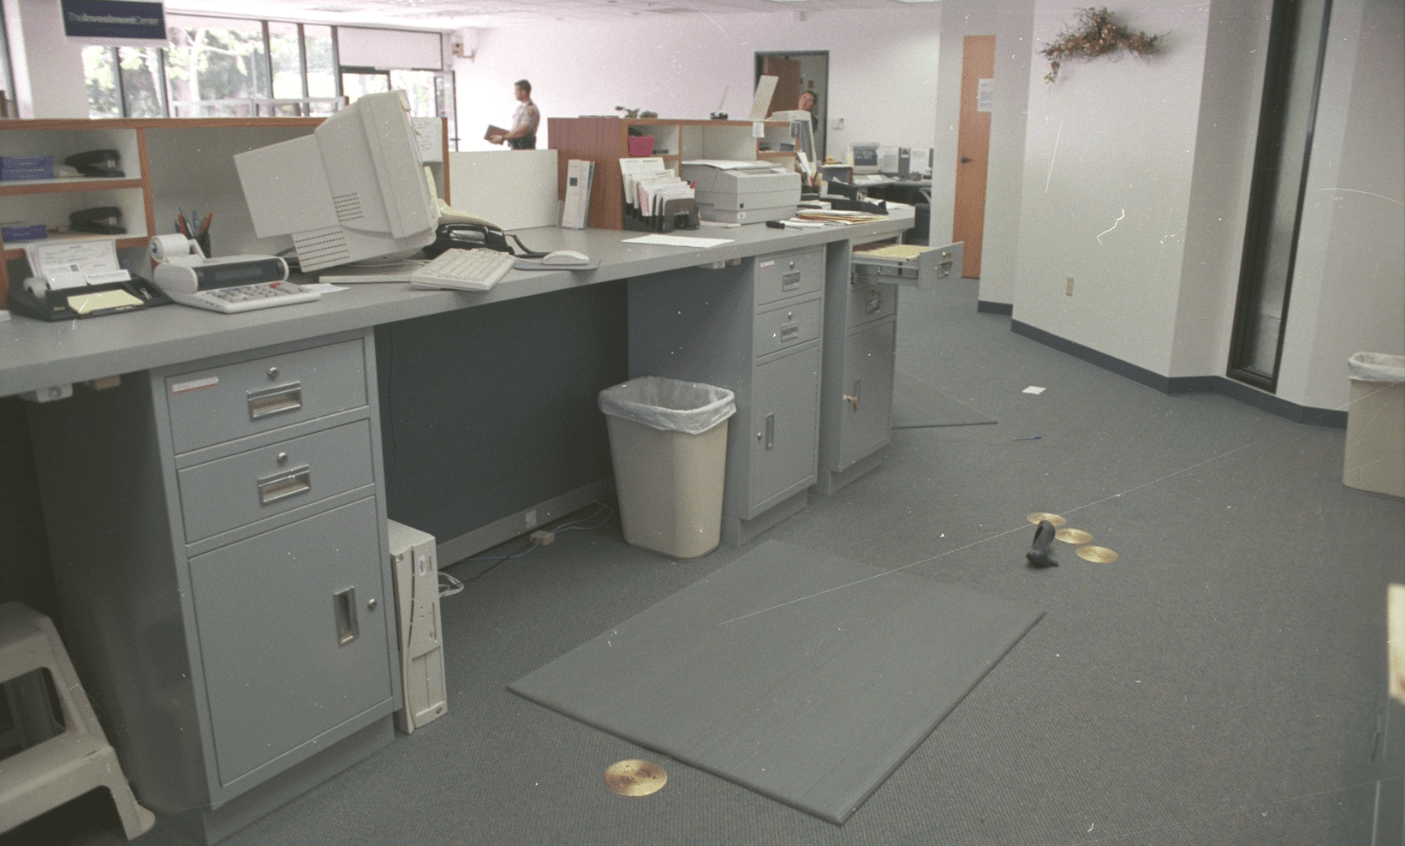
(580, 175)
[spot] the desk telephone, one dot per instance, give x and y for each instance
(476, 235)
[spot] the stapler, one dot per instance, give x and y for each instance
(97, 163)
(104, 220)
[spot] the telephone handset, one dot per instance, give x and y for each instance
(457, 230)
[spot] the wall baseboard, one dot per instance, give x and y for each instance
(988, 307)
(1326, 417)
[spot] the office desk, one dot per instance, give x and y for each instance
(169, 597)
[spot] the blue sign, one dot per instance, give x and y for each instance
(113, 21)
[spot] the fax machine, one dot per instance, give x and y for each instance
(742, 192)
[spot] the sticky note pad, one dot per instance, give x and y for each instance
(86, 303)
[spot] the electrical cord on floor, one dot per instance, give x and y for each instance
(541, 537)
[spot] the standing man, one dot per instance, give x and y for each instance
(524, 121)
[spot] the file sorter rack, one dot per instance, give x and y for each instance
(605, 140)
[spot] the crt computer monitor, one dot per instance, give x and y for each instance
(865, 156)
(353, 190)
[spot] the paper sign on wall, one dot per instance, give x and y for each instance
(984, 89)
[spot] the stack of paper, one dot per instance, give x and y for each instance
(648, 184)
(579, 176)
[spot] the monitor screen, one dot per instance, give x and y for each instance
(353, 190)
(865, 156)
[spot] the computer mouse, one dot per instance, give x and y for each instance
(565, 258)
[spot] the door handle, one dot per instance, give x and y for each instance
(965, 159)
(344, 605)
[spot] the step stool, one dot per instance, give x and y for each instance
(69, 764)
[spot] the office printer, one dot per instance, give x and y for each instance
(742, 192)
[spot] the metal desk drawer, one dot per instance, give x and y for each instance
(230, 492)
(789, 275)
(786, 327)
(230, 401)
(904, 264)
(868, 302)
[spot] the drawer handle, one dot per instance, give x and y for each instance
(874, 304)
(789, 333)
(854, 397)
(344, 605)
(944, 268)
(790, 281)
(271, 401)
(294, 482)
(770, 431)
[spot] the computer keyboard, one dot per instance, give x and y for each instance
(468, 270)
(237, 298)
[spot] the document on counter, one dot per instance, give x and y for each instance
(677, 241)
(69, 264)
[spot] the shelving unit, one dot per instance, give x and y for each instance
(171, 165)
(605, 140)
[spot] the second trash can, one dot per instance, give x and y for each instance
(1375, 424)
(668, 444)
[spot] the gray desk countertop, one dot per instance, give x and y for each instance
(35, 355)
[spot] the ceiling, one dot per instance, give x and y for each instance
(463, 14)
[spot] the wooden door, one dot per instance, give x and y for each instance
(787, 73)
(973, 148)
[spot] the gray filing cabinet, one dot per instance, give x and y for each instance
(218, 534)
(860, 328)
(754, 328)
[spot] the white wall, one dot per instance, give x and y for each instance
(48, 68)
(1226, 133)
(1011, 22)
(1109, 157)
(882, 69)
(1348, 291)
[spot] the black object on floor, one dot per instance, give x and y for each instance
(1040, 554)
(802, 676)
(917, 405)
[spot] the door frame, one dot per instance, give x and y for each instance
(822, 93)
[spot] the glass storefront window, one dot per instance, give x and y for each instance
(141, 81)
(285, 52)
(100, 71)
(321, 68)
(212, 59)
(420, 87)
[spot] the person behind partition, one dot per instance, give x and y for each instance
(808, 102)
(524, 121)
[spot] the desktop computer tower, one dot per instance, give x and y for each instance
(421, 637)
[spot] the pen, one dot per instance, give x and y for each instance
(205, 224)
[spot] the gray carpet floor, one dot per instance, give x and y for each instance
(1221, 683)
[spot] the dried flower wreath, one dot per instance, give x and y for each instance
(1096, 34)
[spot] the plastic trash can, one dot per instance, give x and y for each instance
(668, 444)
(1375, 424)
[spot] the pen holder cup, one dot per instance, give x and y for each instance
(203, 239)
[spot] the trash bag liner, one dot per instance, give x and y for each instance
(669, 405)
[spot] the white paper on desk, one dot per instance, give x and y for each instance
(677, 241)
(70, 264)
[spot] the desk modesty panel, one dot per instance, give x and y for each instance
(35, 355)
